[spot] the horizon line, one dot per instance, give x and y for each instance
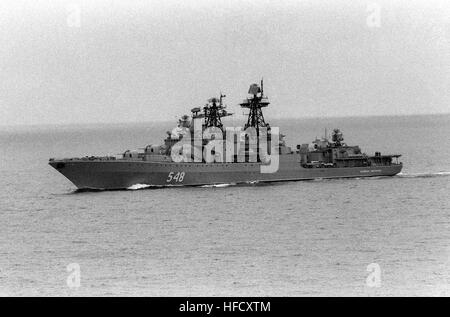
(37, 125)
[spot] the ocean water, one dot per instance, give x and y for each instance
(310, 238)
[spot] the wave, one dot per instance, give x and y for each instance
(422, 175)
(218, 185)
(139, 186)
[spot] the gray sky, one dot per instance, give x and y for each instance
(120, 61)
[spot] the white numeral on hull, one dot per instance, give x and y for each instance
(176, 177)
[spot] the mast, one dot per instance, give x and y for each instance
(213, 111)
(255, 117)
(255, 104)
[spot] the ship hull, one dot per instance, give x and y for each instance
(121, 174)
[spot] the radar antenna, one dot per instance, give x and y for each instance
(337, 137)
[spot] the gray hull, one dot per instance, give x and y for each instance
(120, 174)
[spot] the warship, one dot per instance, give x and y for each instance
(218, 155)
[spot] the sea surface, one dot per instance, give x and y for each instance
(308, 238)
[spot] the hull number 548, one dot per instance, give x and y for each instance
(175, 177)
